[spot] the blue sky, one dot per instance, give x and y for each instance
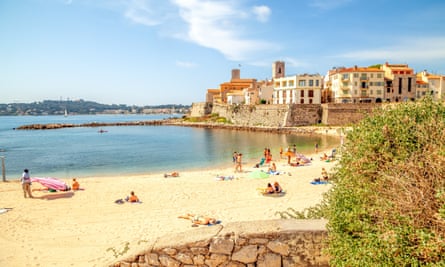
(149, 52)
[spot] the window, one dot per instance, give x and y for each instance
(284, 83)
(301, 101)
(345, 76)
(311, 93)
(302, 83)
(291, 83)
(379, 92)
(379, 75)
(302, 93)
(355, 75)
(311, 82)
(317, 83)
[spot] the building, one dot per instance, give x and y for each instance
(435, 84)
(298, 89)
(233, 88)
(400, 82)
(295, 89)
(354, 85)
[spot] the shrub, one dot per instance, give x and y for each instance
(387, 205)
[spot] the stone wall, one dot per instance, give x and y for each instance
(270, 115)
(200, 109)
(272, 243)
(343, 114)
(291, 115)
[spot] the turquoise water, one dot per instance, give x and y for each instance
(125, 150)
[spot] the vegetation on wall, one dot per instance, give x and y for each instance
(387, 205)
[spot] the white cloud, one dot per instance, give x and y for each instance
(185, 64)
(421, 49)
(145, 12)
(216, 25)
(262, 13)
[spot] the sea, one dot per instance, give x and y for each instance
(131, 150)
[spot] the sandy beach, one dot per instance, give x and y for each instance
(87, 228)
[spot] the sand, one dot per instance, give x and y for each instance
(86, 228)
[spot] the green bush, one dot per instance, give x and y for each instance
(387, 205)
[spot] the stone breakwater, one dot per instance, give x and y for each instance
(50, 126)
(328, 130)
(272, 243)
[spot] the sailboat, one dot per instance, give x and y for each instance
(66, 113)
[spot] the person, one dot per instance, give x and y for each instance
(173, 174)
(273, 168)
(277, 187)
(269, 189)
(324, 174)
(281, 152)
(235, 154)
(199, 219)
(268, 158)
(238, 166)
(75, 185)
(325, 157)
(132, 197)
(316, 148)
(26, 183)
(289, 155)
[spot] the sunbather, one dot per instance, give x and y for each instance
(173, 174)
(132, 197)
(199, 219)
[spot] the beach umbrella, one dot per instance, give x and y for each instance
(51, 183)
(259, 175)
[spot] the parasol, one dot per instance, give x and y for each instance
(51, 183)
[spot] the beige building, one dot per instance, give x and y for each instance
(354, 85)
(400, 82)
(435, 84)
(295, 89)
(235, 86)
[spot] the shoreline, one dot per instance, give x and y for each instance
(83, 228)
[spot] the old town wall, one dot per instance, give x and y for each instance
(295, 114)
(273, 243)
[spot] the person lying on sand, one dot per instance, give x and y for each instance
(199, 219)
(173, 174)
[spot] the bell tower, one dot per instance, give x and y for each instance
(278, 69)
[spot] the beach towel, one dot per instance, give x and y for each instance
(282, 193)
(259, 175)
(319, 182)
(209, 224)
(4, 210)
(224, 178)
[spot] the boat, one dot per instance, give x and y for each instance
(102, 131)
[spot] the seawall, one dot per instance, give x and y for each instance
(272, 243)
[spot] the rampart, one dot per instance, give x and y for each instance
(291, 115)
(273, 243)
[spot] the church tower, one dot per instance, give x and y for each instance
(278, 69)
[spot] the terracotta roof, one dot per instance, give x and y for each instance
(359, 69)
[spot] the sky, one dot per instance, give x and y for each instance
(154, 52)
